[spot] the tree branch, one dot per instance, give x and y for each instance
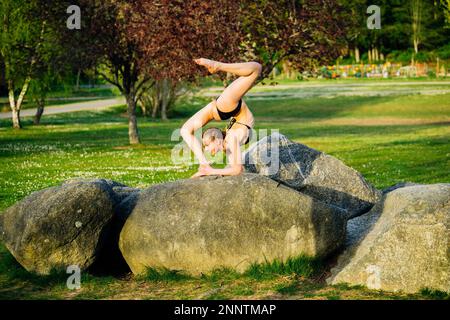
(116, 83)
(139, 94)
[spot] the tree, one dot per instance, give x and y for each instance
(405, 26)
(47, 75)
(103, 42)
(22, 45)
(416, 23)
(160, 98)
(170, 34)
(307, 32)
(446, 9)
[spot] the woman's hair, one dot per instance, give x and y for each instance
(213, 133)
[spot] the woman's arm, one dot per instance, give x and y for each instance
(198, 120)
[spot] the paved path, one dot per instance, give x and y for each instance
(314, 84)
(326, 89)
(71, 107)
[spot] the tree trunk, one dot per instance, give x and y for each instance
(437, 68)
(155, 110)
(40, 111)
(22, 94)
(16, 119)
(133, 132)
(416, 15)
(77, 85)
(370, 55)
(357, 58)
(164, 111)
(165, 97)
(15, 106)
(14, 110)
(156, 100)
(144, 109)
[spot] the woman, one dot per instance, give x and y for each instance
(229, 105)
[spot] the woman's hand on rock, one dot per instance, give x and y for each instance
(205, 169)
(196, 175)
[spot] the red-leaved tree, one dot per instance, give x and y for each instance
(171, 33)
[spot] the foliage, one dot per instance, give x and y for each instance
(170, 34)
(396, 31)
(307, 33)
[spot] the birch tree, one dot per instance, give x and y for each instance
(416, 23)
(21, 41)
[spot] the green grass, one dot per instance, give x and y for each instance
(388, 139)
(435, 294)
(164, 274)
(301, 266)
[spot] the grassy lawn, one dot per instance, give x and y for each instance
(389, 139)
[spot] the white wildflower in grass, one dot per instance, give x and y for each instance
(27, 147)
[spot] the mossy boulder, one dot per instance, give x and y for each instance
(312, 172)
(402, 244)
(200, 224)
(60, 226)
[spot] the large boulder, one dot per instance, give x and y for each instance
(59, 226)
(197, 225)
(399, 185)
(402, 244)
(312, 172)
(120, 190)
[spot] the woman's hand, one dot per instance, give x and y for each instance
(206, 170)
(203, 170)
(196, 175)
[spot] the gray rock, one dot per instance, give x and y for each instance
(311, 172)
(127, 205)
(407, 248)
(123, 193)
(399, 185)
(59, 226)
(119, 190)
(110, 183)
(359, 227)
(199, 224)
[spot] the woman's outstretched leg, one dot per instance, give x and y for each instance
(248, 72)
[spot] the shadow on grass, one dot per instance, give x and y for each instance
(162, 274)
(311, 108)
(435, 294)
(302, 265)
(18, 283)
(13, 271)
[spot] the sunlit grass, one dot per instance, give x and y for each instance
(95, 144)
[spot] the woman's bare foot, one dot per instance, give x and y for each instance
(211, 65)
